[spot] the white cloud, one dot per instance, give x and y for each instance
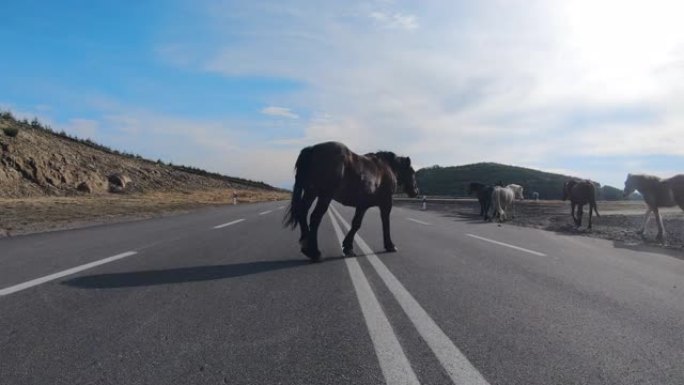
(492, 80)
(395, 20)
(279, 111)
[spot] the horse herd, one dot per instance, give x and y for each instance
(500, 198)
(330, 171)
(656, 192)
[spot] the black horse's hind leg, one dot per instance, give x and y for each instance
(385, 217)
(572, 212)
(302, 213)
(311, 243)
(580, 212)
(661, 228)
(348, 243)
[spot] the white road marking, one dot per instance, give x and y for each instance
(281, 207)
(394, 364)
(419, 221)
(73, 270)
(507, 245)
(228, 224)
(456, 364)
(265, 212)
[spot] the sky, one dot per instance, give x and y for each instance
(590, 88)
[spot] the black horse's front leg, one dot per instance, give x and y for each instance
(348, 243)
(385, 217)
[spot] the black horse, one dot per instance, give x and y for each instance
(580, 193)
(330, 171)
(484, 196)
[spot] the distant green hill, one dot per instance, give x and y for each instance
(453, 181)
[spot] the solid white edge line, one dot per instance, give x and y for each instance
(394, 364)
(418, 221)
(228, 224)
(456, 364)
(507, 245)
(265, 212)
(73, 270)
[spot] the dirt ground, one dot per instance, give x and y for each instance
(619, 220)
(38, 214)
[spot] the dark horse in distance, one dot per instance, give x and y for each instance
(484, 196)
(330, 171)
(580, 193)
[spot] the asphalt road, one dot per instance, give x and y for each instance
(224, 296)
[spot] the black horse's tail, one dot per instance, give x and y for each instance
(301, 174)
(593, 205)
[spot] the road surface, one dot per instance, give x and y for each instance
(223, 296)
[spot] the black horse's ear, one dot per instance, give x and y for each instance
(408, 161)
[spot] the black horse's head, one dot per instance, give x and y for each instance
(406, 176)
(401, 166)
(567, 186)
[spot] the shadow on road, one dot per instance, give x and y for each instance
(653, 247)
(184, 274)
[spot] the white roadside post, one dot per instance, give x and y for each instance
(234, 197)
(424, 207)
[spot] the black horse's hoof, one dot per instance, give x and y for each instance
(391, 249)
(313, 255)
(349, 252)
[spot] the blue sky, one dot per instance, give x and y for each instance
(239, 87)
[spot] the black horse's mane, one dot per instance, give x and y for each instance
(387, 156)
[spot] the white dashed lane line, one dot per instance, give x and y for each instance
(507, 245)
(265, 212)
(228, 224)
(64, 273)
(419, 221)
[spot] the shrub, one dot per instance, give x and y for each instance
(11, 131)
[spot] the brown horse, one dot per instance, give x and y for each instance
(330, 171)
(657, 193)
(580, 193)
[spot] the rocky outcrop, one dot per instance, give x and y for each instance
(84, 187)
(39, 162)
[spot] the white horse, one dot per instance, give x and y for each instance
(503, 197)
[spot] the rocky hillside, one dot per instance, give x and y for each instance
(454, 181)
(35, 161)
